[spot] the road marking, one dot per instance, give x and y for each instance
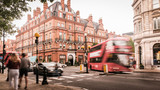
(96, 77)
(88, 74)
(80, 80)
(69, 81)
(88, 78)
(68, 77)
(77, 75)
(56, 78)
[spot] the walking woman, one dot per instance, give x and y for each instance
(13, 66)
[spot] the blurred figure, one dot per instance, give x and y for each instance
(25, 64)
(13, 66)
(56, 70)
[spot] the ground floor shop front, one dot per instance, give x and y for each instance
(66, 57)
(147, 53)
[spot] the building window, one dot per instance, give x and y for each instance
(60, 45)
(46, 46)
(155, 4)
(77, 19)
(46, 37)
(82, 39)
(50, 45)
(79, 29)
(70, 47)
(93, 39)
(64, 46)
(70, 17)
(156, 23)
(50, 36)
(64, 36)
(60, 7)
(139, 26)
(62, 25)
(88, 31)
(79, 47)
(60, 14)
(90, 39)
(70, 37)
(69, 27)
(78, 38)
(60, 36)
(91, 32)
(58, 24)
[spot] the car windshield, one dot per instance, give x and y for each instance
(122, 59)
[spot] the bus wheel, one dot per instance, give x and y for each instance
(91, 68)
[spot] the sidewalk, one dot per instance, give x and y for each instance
(146, 71)
(33, 86)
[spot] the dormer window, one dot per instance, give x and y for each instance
(66, 9)
(60, 7)
(77, 19)
(60, 14)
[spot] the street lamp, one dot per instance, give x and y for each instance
(86, 52)
(36, 41)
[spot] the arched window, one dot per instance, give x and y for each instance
(156, 54)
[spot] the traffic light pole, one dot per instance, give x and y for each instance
(86, 53)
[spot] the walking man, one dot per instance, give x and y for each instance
(25, 64)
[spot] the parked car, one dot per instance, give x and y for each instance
(59, 64)
(50, 67)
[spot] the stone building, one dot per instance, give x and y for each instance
(147, 33)
(61, 33)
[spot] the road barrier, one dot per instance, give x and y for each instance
(81, 67)
(105, 68)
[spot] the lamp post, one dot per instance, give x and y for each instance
(86, 52)
(36, 41)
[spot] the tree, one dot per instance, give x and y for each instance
(131, 43)
(11, 10)
(94, 44)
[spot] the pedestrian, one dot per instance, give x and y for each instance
(13, 66)
(56, 70)
(25, 64)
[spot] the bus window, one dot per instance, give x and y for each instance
(120, 42)
(121, 59)
(95, 48)
(96, 60)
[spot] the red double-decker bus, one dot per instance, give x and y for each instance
(113, 52)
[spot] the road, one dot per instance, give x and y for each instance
(95, 80)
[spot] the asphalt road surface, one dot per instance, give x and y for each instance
(95, 80)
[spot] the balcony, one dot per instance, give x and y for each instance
(47, 41)
(60, 40)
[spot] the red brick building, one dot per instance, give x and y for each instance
(61, 33)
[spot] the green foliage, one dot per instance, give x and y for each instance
(94, 44)
(76, 63)
(50, 60)
(131, 43)
(43, 60)
(11, 10)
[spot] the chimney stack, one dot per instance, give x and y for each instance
(45, 6)
(29, 17)
(100, 21)
(77, 13)
(90, 17)
(34, 13)
(62, 4)
(69, 5)
(38, 11)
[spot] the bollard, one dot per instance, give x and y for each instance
(37, 77)
(105, 69)
(81, 67)
(44, 82)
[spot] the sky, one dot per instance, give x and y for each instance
(117, 15)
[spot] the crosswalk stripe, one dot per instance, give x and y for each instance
(69, 81)
(68, 77)
(77, 75)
